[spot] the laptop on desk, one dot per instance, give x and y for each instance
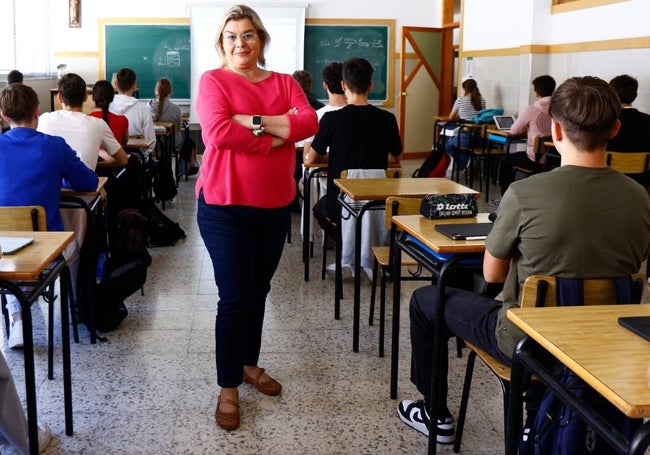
(504, 122)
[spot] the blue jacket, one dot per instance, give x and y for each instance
(33, 168)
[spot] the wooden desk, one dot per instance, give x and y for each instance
(310, 171)
(373, 193)
(138, 142)
(438, 254)
(608, 357)
(39, 265)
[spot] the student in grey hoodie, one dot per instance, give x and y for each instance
(139, 115)
(163, 110)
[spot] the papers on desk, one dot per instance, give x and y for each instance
(12, 245)
(160, 129)
(451, 132)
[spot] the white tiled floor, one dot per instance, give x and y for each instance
(151, 389)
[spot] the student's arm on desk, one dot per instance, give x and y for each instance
(120, 157)
(495, 270)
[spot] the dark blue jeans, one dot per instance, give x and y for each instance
(461, 157)
(245, 245)
(471, 316)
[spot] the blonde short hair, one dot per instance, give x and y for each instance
(237, 13)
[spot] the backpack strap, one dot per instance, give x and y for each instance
(569, 291)
(628, 290)
(542, 289)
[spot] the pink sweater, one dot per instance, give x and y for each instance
(534, 121)
(239, 168)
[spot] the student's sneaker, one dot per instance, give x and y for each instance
(347, 272)
(44, 438)
(415, 415)
(15, 335)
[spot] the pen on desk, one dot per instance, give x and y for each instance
(478, 237)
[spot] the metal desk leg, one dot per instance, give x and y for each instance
(394, 348)
(338, 286)
(65, 347)
(306, 203)
(515, 403)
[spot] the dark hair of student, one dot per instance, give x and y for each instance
(333, 75)
(18, 102)
(626, 87)
(126, 78)
(544, 85)
(304, 78)
(471, 89)
(163, 89)
(587, 108)
(72, 89)
(103, 94)
(357, 74)
(238, 13)
(14, 77)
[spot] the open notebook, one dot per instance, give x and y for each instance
(11, 245)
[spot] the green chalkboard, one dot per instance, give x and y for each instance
(152, 51)
(326, 43)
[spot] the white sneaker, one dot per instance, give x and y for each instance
(44, 438)
(44, 435)
(346, 271)
(368, 273)
(16, 335)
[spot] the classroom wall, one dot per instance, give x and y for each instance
(78, 47)
(512, 41)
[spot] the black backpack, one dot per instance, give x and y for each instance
(124, 271)
(160, 231)
(164, 184)
(187, 163)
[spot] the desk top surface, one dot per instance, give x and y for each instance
(378, 189)
(424, 230)
(609, 357)
(504, 133)
(138, 142)
(100, 184)
(29, 262)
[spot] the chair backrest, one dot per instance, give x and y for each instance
(629, 162)
(401, 205)
(542, 290)
(391, 173)
(23, 218)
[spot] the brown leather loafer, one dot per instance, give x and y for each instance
(268, 387)
(227, 420)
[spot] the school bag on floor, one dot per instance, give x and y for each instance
(161, 230)
(124, 271)
(557, 429)
(435, 165)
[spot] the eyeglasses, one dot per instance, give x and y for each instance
(231, 38)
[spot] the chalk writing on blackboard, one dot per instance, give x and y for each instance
(336, 43)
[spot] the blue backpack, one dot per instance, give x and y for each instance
(486, 115)
(557, 429)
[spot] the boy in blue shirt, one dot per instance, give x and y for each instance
(33, 168)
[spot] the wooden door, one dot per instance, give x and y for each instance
(426, 83)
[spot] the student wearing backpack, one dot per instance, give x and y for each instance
(568, 222)
(251, 118)
(33, 168)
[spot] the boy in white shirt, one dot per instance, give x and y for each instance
(139, 114)
(85, 134)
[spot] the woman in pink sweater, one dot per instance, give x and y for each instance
(250, 119)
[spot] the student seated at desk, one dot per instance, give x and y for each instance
(32, 168)
(464, 108)
(163, 110)
(534, 121)
(568, 222)
(103, 95)
(139, 115)
(86, 135)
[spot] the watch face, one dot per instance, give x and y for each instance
(257, 120)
